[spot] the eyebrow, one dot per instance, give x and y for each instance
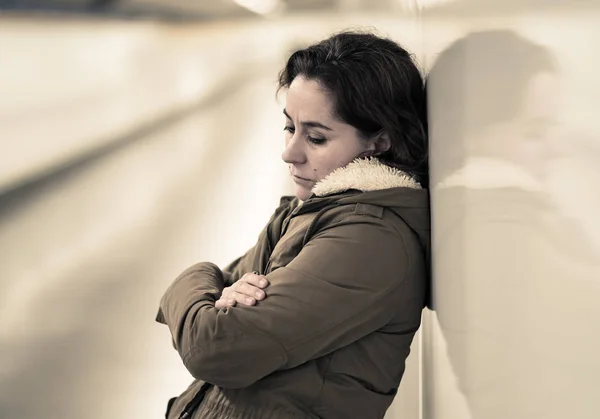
(310, 124)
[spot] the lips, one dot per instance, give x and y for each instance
(301, 180)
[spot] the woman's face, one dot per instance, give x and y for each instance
(316, 143)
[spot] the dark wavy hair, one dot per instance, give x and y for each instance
(376, 87)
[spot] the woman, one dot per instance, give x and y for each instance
(316, 320)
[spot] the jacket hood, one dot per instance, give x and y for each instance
(384, 186)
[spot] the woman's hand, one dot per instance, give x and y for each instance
(247, 291)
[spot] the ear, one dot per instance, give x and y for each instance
(381, 143)
(378, 144)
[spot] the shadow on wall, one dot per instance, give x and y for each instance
(514, 274)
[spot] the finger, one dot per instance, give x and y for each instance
(259, 281)
(251, 291)
(244, 299)
(224, 302)
(226, 294)
(221, 302)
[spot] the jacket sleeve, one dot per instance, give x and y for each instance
(213, 279)
(347, 282)
(245, 263)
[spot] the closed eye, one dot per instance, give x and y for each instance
(313, 140)
(317, 141)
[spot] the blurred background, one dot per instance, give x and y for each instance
(138, 137)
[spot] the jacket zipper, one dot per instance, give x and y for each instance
(267, 267)
(189, 409)
(270, 251)
(197, 399)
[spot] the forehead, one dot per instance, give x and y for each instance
(306, 99)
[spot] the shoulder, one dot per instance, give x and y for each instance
(360, 216)
(362, 247)
(367, 225)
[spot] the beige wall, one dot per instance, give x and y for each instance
(83, 261)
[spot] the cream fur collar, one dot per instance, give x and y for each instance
(368, 174)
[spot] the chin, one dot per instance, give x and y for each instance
(303, 193)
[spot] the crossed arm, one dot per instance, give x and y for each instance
(343, 285)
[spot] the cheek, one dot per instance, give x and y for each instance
(325, 164)
(335, 154)
(319, 170)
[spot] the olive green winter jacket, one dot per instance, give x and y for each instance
(348, 275)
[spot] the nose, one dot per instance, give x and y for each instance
(293, 152)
